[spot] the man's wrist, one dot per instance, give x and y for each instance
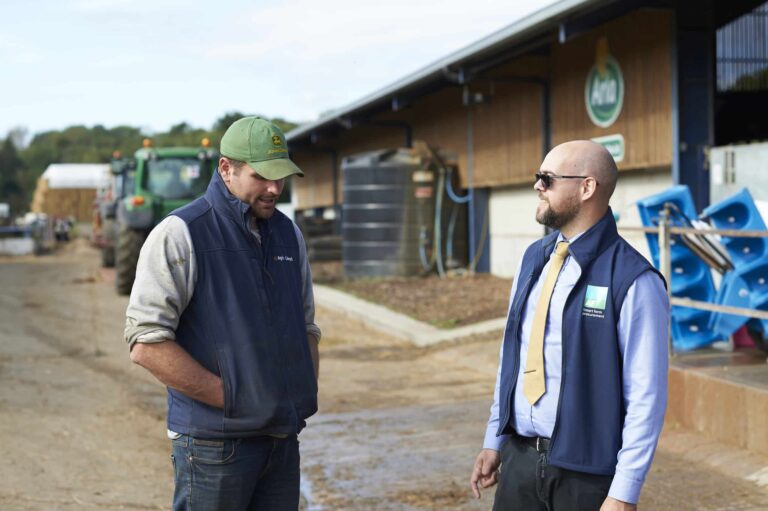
(625, 489)
(491, 441)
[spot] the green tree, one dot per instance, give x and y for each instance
(284, 125)
(81, 144)
(757, 81)
(179, 129)
(183, 135)
(11, 166)
(19, 136)
(226, 120)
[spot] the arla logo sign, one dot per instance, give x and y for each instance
(604, 89)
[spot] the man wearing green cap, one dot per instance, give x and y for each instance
(222, 313)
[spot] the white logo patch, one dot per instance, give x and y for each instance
(594, 301)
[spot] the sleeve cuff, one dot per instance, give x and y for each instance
(149, 337)
(491, 441)
(314, 331)
(625, 489)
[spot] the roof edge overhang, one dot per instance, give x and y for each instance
(517, 33)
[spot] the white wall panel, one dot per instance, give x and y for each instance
(513, 226)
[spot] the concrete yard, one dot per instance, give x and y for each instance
(398, 428)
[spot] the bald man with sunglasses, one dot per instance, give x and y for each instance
(581, 387)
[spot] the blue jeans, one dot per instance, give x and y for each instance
(248, 474)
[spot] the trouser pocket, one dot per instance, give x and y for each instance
(213, 452)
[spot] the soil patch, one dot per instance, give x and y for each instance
(443, 302)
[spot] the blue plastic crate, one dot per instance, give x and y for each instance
(739, 212)
(679, 195)
(755, 277)
(693, 332)
(650, 211)
(691, 277)
(690, 272)
(733, 291)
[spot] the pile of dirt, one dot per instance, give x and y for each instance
(443, 302)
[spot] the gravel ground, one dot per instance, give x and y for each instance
(445, 303)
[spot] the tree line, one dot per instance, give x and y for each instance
(21, 165)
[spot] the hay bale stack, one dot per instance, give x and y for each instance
(64, 202)
(68, 190)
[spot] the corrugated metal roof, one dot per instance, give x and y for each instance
(515, 33)
(77, 175)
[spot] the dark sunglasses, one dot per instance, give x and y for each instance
(546, 179)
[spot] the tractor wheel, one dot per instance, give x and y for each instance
(108, 236)
(108, 257)
(129, 242)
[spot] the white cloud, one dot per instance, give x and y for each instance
(122, 6)
(100, 5)
(159, 62)
(119, 62)
(327, 29)
(15, 51)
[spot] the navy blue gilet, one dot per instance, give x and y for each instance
(590, 411)
(245, 323)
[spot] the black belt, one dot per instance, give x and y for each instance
(541, 444)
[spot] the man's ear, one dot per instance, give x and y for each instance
(588, 188)
(224, 169)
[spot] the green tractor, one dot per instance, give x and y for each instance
(104, 220)
(155, 182)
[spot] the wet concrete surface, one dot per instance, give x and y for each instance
(399, 428)
(413, 466)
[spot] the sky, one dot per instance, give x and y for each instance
(157, 63)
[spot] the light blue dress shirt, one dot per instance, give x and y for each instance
(643, 334)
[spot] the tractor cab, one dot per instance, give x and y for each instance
(156, 182)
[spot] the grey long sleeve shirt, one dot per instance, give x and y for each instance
(165, 282)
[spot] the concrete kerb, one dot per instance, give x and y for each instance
(396, 324)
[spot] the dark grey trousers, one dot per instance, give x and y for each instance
(528, 483)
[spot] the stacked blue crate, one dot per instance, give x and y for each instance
(749, 279)
(733, 291)
(691, 277)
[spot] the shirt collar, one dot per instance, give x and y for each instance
(560, 237)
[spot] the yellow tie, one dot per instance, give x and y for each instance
(534, 385)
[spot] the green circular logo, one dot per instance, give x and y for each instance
(604, 93)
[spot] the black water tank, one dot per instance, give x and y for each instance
(388, 214)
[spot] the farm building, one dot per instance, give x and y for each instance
(659, 83)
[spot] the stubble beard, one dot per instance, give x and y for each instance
(263, 213)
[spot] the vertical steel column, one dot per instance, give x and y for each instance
(665, 264)
(337, 211)
(675, 104)
(546, 132)
(694, 51)
(470, 172)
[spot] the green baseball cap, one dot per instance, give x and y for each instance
(261, 145)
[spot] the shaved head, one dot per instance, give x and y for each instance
(575, 186)
(587, 158)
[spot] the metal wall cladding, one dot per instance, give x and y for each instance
(388, 212)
